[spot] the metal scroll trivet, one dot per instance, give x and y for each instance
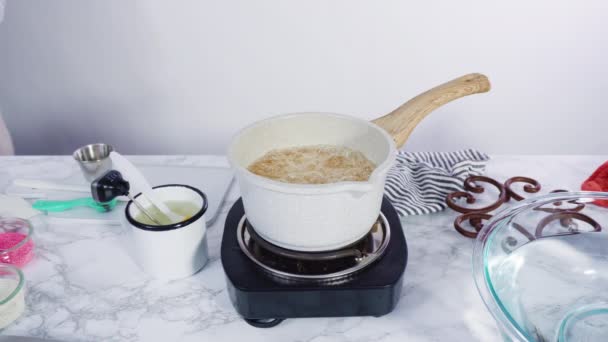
(476, 216)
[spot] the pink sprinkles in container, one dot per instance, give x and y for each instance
(16, 244)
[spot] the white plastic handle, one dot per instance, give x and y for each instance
(81, 221)
(48, 185)
(139, 183)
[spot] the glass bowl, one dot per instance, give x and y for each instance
(16, 244)
(12, 294)
(541, 267)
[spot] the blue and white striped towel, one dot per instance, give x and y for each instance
(420, 181)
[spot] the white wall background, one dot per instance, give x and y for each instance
(161, 77)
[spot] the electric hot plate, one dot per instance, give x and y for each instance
(268, 284)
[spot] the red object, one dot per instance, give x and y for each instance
(598, 181)
(18, 256)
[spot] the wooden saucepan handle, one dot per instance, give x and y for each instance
(401, 122)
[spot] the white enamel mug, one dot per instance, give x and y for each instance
(171, 251)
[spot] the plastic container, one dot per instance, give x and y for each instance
(12, 294)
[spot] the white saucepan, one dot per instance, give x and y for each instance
(322, 217)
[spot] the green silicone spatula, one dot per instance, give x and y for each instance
(55, 206)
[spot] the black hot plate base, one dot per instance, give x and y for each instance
(265, 302)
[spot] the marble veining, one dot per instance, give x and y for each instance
(84, 286)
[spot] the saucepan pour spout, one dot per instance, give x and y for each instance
(401, 122)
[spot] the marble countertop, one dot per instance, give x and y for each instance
(83, 285)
